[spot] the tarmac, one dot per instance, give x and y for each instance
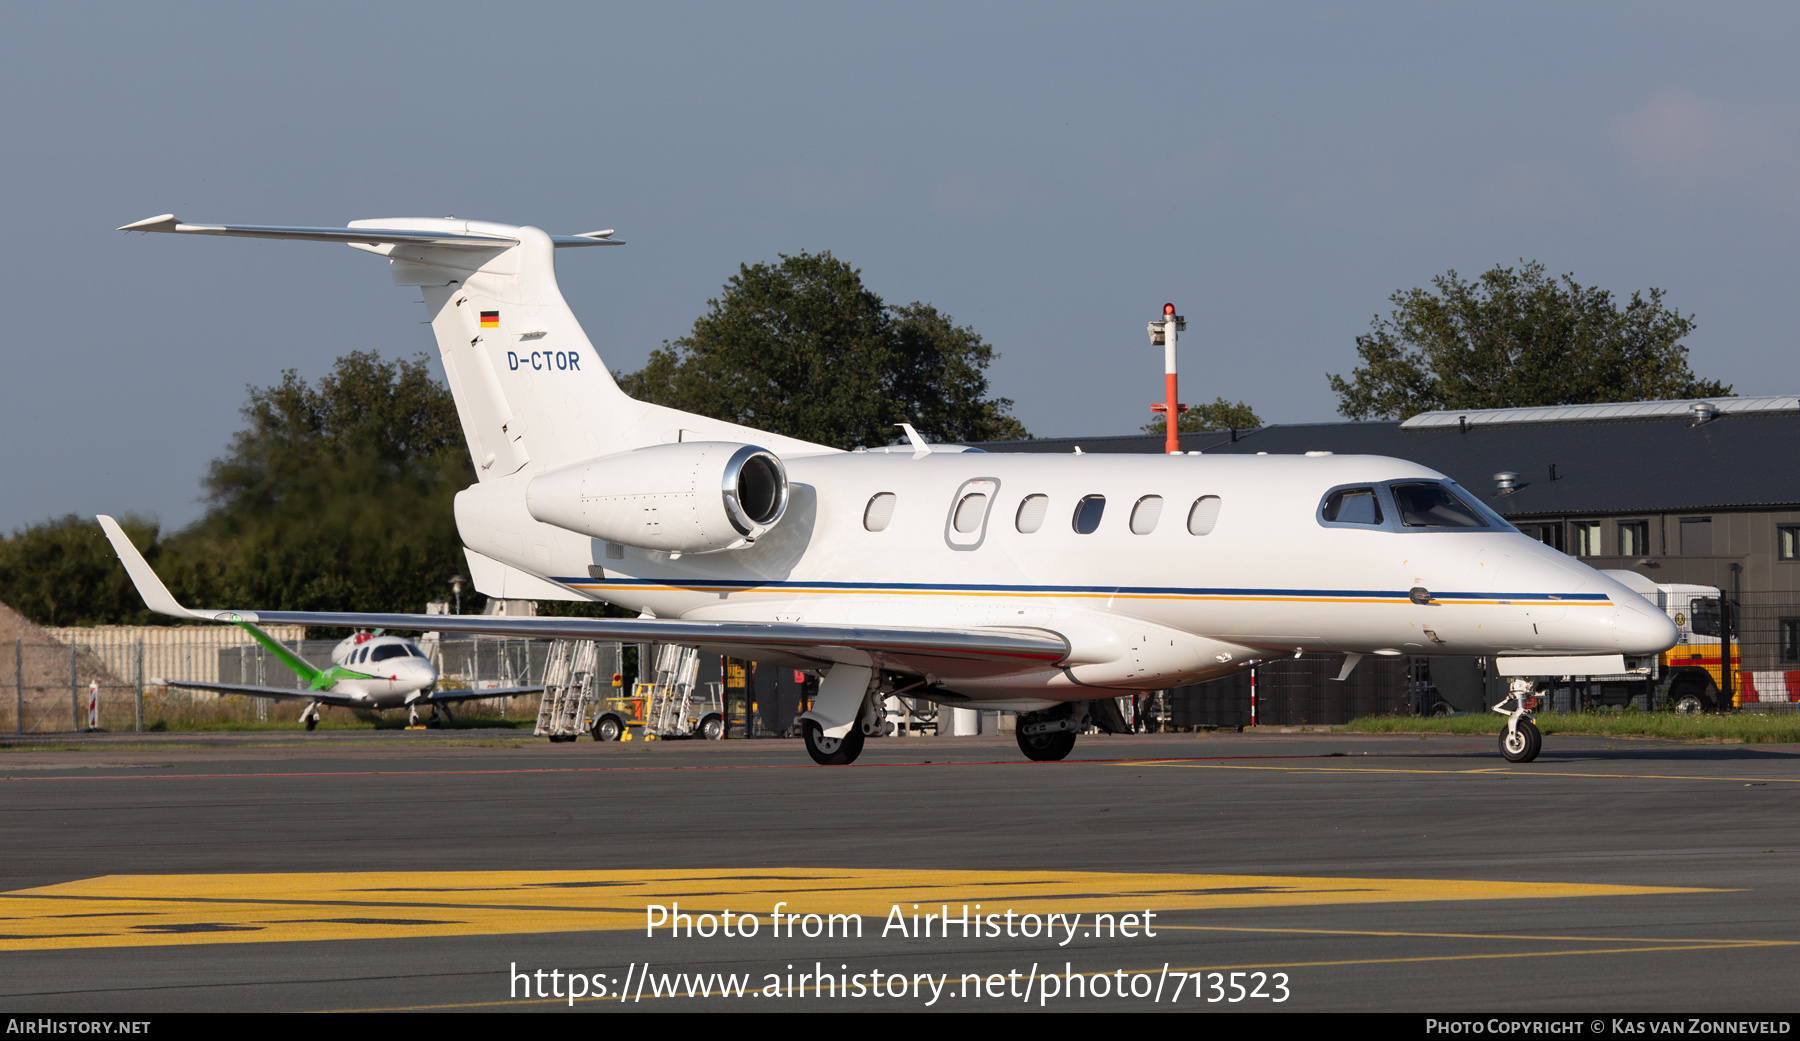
(1327, 871)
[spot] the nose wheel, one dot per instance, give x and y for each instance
(1521, 741)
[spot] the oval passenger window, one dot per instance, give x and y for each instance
(1087, 513)
(1145, 514)
(1031, 513)
(969, 512)
(879, 512)
(1204, 515)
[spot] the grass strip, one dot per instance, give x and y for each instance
(1747, 727)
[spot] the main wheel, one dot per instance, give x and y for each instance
(712, 728)
(832, 751)
(312, 722)
(1521, 744)
(1047, 748)
(606, 728)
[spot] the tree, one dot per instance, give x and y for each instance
(803, 348)
(64, 572)
(1218, 415)
(337, 495)
(1518, 338)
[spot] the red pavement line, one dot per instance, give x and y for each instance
(628, 769)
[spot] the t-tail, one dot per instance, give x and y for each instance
(532, 392)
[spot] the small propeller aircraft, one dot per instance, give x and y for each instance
(369, 671)
(1044, 585)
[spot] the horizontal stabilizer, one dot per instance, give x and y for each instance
(445, 235)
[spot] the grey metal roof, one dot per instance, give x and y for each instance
(1600, 413)
(1738, 461)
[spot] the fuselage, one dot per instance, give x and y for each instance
(383, 671)
(1116, 544)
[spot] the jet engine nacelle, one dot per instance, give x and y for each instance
(692, 497)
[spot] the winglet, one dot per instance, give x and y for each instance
(166, 222)
(156, 595)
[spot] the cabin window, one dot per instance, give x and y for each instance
(1203, 515)
(1586, 536)
(1031, 513)
(1428, 504)
(1353, 506)
(1634, 538)
(1145, 514)
(386, 651)
(1087, 513)
(969, 512)
(879, 512)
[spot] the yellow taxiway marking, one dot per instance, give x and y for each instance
(1488, 771)
(163, 910)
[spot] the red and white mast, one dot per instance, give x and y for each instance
(1163, 334)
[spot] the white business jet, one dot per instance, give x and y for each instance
(1030, 583)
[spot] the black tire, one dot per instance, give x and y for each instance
(1692, 695)
(607, 728)
(312, 722)
(1047, 748)
(1523, 743)
(557, 739)
(712, 728)
(828, 751)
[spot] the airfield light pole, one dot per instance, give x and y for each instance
(1163, 334)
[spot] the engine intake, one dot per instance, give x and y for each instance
(693, 497)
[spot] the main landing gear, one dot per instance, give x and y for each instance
(832, 751)
(1047, 737)
(1521, 741)
(310, 716)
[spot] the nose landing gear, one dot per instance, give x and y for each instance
(1521, 741)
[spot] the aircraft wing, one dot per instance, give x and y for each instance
(476, 695)
(284, 693)
(963, 654)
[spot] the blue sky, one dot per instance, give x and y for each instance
(1049, 174)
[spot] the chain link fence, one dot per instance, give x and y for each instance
(49, 685)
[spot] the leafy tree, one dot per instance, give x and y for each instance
(803, 348)
(1219, 414)
(1518, 338)
(64, 572)
(337, 495)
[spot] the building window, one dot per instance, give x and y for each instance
(1787, 542)
(1586, 537)
(1549, 534)
(1790, 639)
(1696, 537)
(1634, 538)
(1087, 513)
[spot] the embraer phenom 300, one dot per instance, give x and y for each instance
(1032, 583)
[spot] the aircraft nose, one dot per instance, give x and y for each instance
(1639, 628)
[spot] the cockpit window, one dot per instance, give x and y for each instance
(1353, 506)
(388, 650)
(1428, 504)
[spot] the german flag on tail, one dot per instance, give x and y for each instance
(490, 319)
